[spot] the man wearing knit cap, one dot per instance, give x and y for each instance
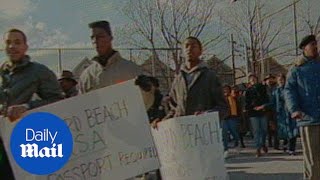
(302, 95)
(68, 84)
(108, 67)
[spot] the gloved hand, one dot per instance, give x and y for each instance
(144, 82)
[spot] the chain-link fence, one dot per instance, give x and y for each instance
(156, 62)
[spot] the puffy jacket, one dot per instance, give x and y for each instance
(20, 82)
(302, 90)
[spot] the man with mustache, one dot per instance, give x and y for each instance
(302, 96)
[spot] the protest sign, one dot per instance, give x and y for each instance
(111, 135)
(190, 147)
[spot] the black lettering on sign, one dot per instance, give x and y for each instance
(74, 123)
(90, 141)
(80, 144)
(171, 139)
(214, 132)
(97, 139)
(76, 172)
(126, 158)
(90, 118)
(122, 108)
(87, 170)
(100, 115)
(196, 134)
(107, 114)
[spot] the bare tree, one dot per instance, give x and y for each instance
(165, 23)
(256, 29)
(308, 18)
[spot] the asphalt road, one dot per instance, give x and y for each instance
(276, 165)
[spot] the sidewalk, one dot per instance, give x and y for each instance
(276, 165)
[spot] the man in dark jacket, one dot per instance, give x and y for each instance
(272, 122)
(256, 104)
(196, 88)
(302, 95)
(20, 80)
(68, 84)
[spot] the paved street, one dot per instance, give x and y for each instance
(276, 165)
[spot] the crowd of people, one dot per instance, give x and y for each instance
(273, 108)
(258, 109)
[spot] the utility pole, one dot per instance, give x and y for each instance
(232, 58)
(59, 61)
(263, 69)
(251, 39)
(295, 26)
(246, 57)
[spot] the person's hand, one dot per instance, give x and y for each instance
(297, 115)
(258, 108)
(16, 111)
(199, 113)
(155, 124)
(143, 82)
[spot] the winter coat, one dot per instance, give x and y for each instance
(115, 71)
(203, 93)
(286, 126)
(256, 95)
(20, 82)
(302, 90)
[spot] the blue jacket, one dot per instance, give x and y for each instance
(302, 90)
(287, 127)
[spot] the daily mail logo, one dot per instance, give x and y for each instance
(41, 143)
(32, 150)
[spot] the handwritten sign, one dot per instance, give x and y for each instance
(112, 138)
(190, 147)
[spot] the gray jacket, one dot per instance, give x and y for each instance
(202, 93)
(116, 70)
(19, 84)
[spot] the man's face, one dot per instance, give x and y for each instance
(311, 50)
(253, 80)
(192, 50)
(234, 93)
(270, 81)
(226, 91)
(16, 47)
(281, 81)
(101, 40)
(66, 84)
